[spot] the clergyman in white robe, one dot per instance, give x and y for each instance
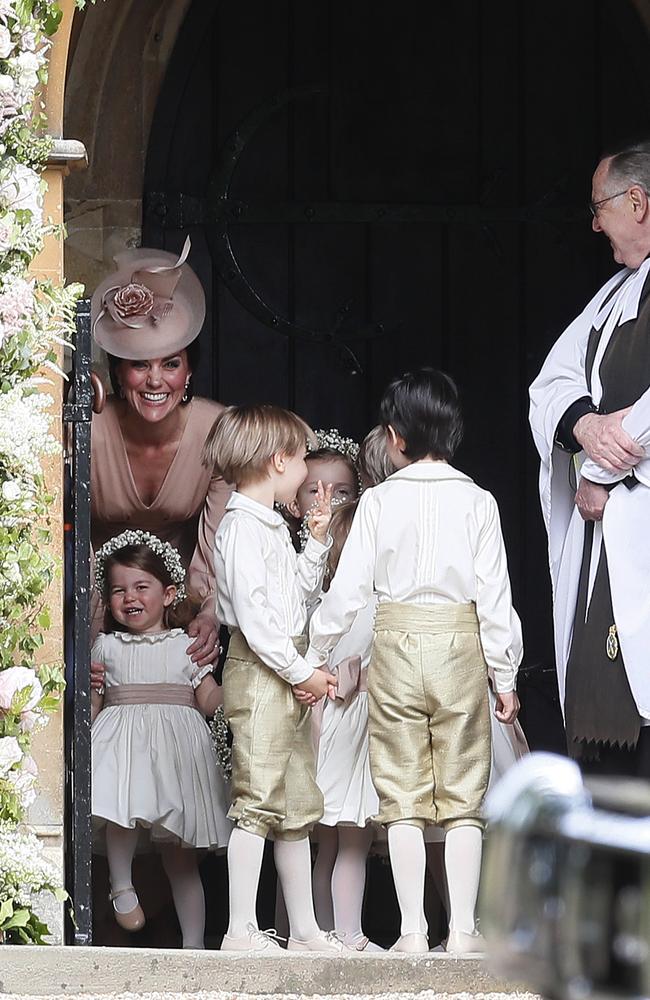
(600, 571)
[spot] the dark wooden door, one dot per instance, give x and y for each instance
(417, 190)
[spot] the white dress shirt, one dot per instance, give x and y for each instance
(427, 535)
(263, 585)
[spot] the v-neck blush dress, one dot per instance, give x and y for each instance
(189, 504)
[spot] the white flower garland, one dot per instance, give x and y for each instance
(35, 318)
(334, 440)
(170, 556)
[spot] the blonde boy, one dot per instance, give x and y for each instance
(262, 590)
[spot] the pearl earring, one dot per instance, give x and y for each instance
(186, 397)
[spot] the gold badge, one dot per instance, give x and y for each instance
(612, 643)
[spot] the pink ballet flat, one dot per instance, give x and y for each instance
(132, 920)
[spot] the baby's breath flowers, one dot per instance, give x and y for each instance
(334, 441)
(170, 556)
(36, 318)
(221, 742)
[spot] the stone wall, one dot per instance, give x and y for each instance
(46, 814)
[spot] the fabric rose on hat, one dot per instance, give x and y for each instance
(15, 679)
(131, 302)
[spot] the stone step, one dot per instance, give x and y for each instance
(61, 971)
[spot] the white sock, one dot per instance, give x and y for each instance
(293, 862)
(121, 843)
(182, 869)
(408, 862)
(349, 880)
(245, 853)
(463, 846)
(322, 876)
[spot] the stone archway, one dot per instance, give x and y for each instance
(106, 69)
(118, 57)
(108, 65)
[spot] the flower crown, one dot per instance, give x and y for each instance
(169, 555)
(333, 440)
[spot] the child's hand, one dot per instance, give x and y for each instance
(318, 519)
(304, 697)
(97, 677)
(507, 707)
(318, 685)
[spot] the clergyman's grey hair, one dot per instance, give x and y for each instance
(629, 165)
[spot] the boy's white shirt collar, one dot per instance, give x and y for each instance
(239, 501)
(427, 471)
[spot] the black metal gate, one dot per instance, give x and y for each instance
(77, 416)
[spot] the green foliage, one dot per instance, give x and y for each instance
(36, 318)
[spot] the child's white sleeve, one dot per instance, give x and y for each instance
(245, 581)
(97, 651)
(352, 586)
(499, 623)
(311, 566)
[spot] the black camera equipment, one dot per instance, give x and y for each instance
(565, 896)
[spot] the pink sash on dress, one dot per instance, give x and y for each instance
(150, 694)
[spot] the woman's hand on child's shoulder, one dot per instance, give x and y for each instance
(206, 648)
(320, 516)
(507, 707)
(97, 677)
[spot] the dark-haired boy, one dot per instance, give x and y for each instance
(428, 542)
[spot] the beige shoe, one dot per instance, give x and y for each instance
(414, 944)
(132, 920)
(466, 944)
(326, 942)
(362, 943)
(254, 940)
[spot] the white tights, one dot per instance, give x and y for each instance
(463, 846)
(340, 878)
(182, 870)
(293, 863)
(408, 862)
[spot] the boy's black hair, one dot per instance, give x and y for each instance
(423, 408)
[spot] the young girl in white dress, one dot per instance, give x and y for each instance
(154, 767)
(340, 726)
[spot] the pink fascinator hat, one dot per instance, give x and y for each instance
(151, 307)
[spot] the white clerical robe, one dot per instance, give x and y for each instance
(626, 521)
